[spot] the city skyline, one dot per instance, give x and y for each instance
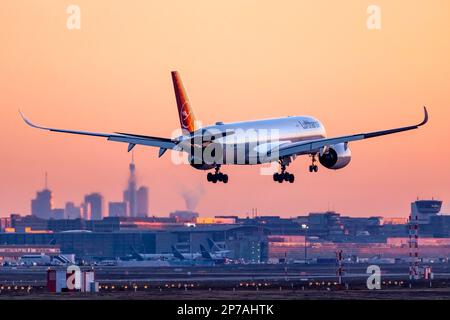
(94, 205)
(317, 59)
(111, 208)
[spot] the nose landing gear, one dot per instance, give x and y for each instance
(217, 176)
(313, 167)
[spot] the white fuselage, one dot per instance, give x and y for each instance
(249, 142)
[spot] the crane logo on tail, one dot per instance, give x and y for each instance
(187, 119)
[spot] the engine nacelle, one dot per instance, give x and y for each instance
(336, 157)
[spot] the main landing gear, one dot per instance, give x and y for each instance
(283, 176)
(217, 176)
(313, 167)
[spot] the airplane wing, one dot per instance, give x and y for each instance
(305, 147)
(131, 139)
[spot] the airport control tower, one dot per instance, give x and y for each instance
(425, 209)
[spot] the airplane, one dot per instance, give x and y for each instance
(175, 255)
(185, 256)
(235, 143)
(216, 258)
(216, 250)
(176, 258)
(150, 256)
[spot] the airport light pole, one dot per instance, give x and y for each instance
(190, 248)
(305, 227)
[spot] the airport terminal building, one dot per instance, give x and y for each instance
(247, 243)
(254, 240)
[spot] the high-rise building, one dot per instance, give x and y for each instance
(93, 206)
(57, 213)
(84, 211)
(5, 223)
(117, 209)
(135, 199)
(72, 211)
(142, 201)
(129, 195)
(41, 206)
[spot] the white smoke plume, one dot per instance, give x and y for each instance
(192, 196)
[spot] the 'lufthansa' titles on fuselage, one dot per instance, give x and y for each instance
(309, 124)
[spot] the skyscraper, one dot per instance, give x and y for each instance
(57, 213)
(42, 205)
(129, 195)
(93, 206)
(72, 211)
(117, 209)
(142, 201)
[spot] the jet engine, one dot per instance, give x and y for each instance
(336, 156)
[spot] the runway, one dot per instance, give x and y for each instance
(224, 275)
(238, 282)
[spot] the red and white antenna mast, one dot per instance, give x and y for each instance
(413, 226)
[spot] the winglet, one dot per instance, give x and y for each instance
(425, 117)
(28, 122)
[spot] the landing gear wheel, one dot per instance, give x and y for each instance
(315, 168)
(280, 178)
(284, 175)
(291, 178)
(217, 176)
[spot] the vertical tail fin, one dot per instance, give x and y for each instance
(187, 118)
(212, 245)
(205, 253)
(177, 253)
(136, 255)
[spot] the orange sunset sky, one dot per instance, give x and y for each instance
(239, 60)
